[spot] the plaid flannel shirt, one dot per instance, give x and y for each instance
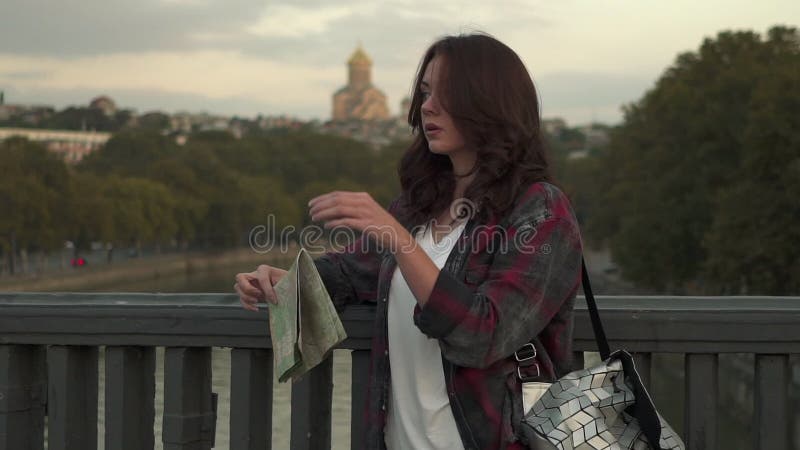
(488, 301)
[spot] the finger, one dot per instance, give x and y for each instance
(325, 201)
(333, 198)
(325, 196)
(246, 301)
(251, 286)
(265, 284)
(244, 280)
(250, 307)
(336, 212)
(276, 275)
(364, 198)
(244, 284)
(362, 201)
(254, 286)
(246, 298)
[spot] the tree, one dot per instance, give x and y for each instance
(753, 241)
(129, 153)
(143, 210)
(190, 203)
(90, 212)
(33, 189)
(673, 166)
(85, 118)
(222, 187)
(153, 121)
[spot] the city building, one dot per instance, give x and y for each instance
(359, 99)
(71, 145)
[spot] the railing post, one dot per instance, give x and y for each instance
(251, 399)
(772, 413)
(130, 396)
(700, 426)
(359, 383)
(22, 397)
(72, 398)
(189, 416)
(311, 408)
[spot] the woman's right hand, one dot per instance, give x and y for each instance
(256, 286)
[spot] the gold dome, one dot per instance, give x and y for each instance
(359, 57)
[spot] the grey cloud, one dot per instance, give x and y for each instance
(590, 89)
(24, 75)
(82, 27)
(91, 27)
(390, 35)
(589, 96)
(390, 43)
(394, 33)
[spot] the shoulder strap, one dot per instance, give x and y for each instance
(594, 315)
(525, 355)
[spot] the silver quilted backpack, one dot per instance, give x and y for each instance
(602, 407)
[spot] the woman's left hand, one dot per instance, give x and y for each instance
(359, 211)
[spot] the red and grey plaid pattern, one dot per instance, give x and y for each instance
(507, 282)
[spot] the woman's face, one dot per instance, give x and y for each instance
(438, 126)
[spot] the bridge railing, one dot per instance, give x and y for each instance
(50, 344)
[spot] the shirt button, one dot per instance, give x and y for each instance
(386, 352)
(383, 407)
(384, 299)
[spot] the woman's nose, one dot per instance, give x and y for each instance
(427, 106)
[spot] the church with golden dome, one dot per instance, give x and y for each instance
(359, 99)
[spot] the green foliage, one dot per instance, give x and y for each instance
(385, 183)
(91, 213)
(33, 183)
(698, 182)
(129, 153)
(753, 240)
(30, 220)
(85, 118)
(142, 188)
(153, 121)
(142, 210)
(222, 188)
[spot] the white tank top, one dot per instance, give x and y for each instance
(418, 413)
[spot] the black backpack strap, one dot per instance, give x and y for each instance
(594, 315)
(523, 356)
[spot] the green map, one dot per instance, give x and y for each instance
(304, 325)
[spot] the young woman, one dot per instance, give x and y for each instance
(479, 257)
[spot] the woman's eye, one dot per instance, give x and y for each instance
(425, 95)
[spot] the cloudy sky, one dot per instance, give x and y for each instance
(248, 57)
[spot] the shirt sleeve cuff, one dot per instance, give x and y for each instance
(447, 306)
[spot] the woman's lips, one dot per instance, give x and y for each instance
(432, 130)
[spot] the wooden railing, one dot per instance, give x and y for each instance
(49, 349)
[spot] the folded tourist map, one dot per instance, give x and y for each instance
(304, 325)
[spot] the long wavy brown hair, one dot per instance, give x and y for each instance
(488, 92)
